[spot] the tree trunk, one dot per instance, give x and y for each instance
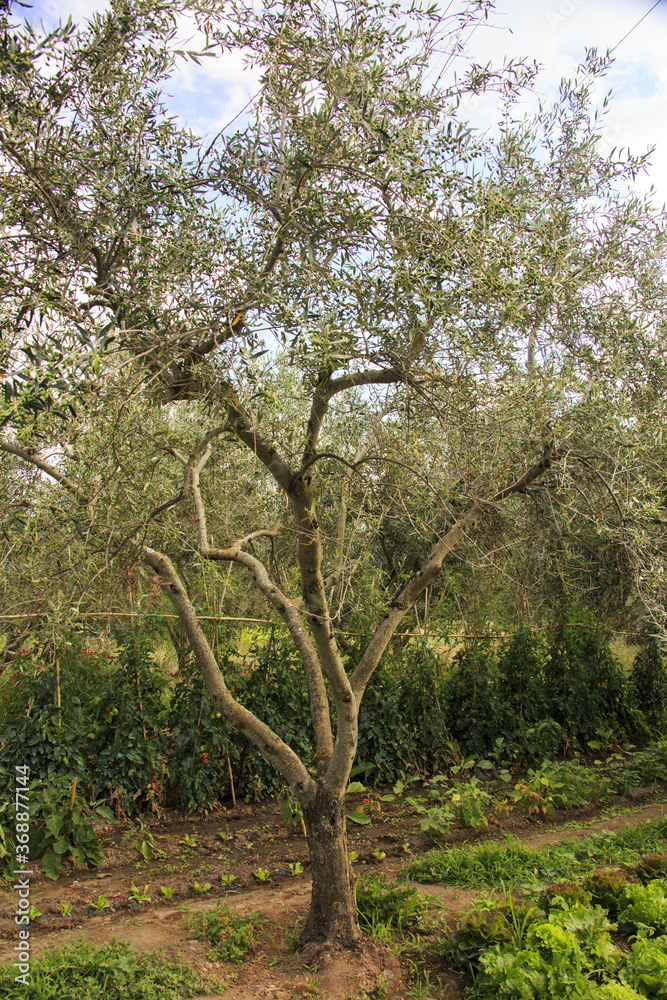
(333, 908)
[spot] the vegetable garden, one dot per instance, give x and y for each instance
(127, 755)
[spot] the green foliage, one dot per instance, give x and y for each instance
(530, 696)
(585, 687)
(567, 892)
(113, 971)
(652, 866)
(559, 785)
(474, 935)
(381, 903)
(556, 959)
(471, 698)
(403, 719)
(490, 864)
(643, 908)
(470, 800)
(645, 968)
(97, 735)
(232, 934)
(100, 738)
(65, 829)
(649, 682)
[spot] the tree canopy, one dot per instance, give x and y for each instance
(346, 326)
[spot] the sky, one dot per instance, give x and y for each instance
(555, 33)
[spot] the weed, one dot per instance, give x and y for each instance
(382, 904)
(232, 934)
(489, 864)
(292, 936)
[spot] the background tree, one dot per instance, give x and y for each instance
(456, 313)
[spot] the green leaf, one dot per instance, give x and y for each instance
(358, 817)
(52, 864)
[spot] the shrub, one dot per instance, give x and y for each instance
(649, 682)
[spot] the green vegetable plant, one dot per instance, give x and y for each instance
(558, 785)
(138, 895)
(558, 957)
(470, 800)
(645, 968)
(292, 813)
(201, 887)
(563, 892)
(66, 830)
(141, 840)
(167, 891)
(652, 866)
(359, 816)
(263, 874)
(101, 904)
(227, 879)
(295, 868)
(605, 888)
(642, 909)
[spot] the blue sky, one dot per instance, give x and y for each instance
(554, 32)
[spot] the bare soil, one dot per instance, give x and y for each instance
(243, 841)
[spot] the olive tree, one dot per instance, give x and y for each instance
(448, 305)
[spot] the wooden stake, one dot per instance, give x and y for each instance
(58, 688)
(71, 798)
(231, 780)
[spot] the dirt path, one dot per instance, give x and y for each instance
(251, 843)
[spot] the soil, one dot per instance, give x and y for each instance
(252, 844)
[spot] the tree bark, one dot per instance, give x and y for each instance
(332, 918)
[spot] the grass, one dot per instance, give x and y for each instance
(516, 864)
(113, 971)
